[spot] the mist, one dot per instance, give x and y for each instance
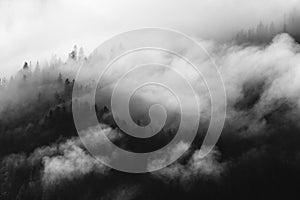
(255, 45)
(262, 86)
(30, 31)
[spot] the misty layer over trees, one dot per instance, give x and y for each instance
(265, 32)
(256, 157)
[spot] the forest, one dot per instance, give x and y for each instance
(256, 157)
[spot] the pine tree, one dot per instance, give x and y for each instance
(284, 29)
(25, 66)
(60, 78)
(81, 54)
(272, 30)
(73, 54)
(37, 68)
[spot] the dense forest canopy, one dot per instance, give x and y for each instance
(257, 155)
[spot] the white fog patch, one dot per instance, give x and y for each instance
(196, 169)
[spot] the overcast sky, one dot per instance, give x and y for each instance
(37, 29)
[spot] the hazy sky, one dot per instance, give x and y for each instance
(37, 29)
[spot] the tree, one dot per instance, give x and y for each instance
(81, 54)
(67, 82)
(3, 81)
(25, 66)
(60, 78)
(73, 54)
(68, 88)
(260, 31)
(272, 30)
(57, 97)
(37, 68)
(39, 98)
(284, 29)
